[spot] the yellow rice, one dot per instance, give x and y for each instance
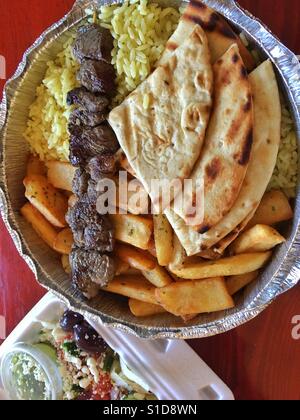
(46, 131)
(286, 171)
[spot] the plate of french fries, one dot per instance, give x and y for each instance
(159, 288)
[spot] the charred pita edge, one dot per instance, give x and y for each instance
(245, 156)
(213, 169)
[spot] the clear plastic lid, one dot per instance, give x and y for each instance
(29, 372)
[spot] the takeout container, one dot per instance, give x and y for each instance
(170, 368)
(282, 273)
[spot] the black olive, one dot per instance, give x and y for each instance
(69, 320)
(88, 340)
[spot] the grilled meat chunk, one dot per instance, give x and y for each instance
(93, 42)
(91, 230)
(97, 77)
(86, 100)
(80, 182)
(85, 119)
(88, 143)
(92, 192)
(101, 165)
(91, 270)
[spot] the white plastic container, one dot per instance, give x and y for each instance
(172, 370)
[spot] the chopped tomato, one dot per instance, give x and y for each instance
(102, 390)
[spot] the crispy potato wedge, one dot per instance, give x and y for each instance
(121, 267)
(136, 287)
(136, 258)
(158, 276)
(41, 225)
(274, 208)
(126, 165)
(134, 230)
(65, 260)
(64, 242)
(195, 297)
(188, 318)
(259, 238)
(35, 166)
(178, 256)
(72, 200)
(61, 174)
(209, 254)
(152, 249)
(136, 202)
(236, 283)
(142, 309)
(163, 237)
(133, 272)
(48, 200)
(232, 266)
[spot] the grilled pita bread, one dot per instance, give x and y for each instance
(219, 33)
(163, 141)
(224, 159)
(267, 122)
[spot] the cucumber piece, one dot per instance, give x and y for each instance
(48, 350)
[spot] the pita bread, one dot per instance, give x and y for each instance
(224, 159)
(218, 31)
(164, 140)
(267, 123)
(221, 246)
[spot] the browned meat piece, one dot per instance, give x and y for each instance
(88, 143)
(101, 165)
(97, 77)
(91, 230)
(80, 182)
(93, 42)
(85, 119)
(90, 271)
(84, 285)
(92, 193)
(87, 100)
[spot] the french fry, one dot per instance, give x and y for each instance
(35, 166)
(259, 238)
(121, 267)
(158, 276)
(152, 249)
(232, 266)
(209, 254)
(135, 287)
(126, 165)
(136, 258)
(236, 283)
(131, 229)
(188, 318)
(136, 202)
(142, 309)
(44, 197)
(64, 242)
(41, 226)
(178, 255)
(133, 272)
(66, 263)
(274, 208)
(72, 200)
(195, 297)
(61, 174)
(163, 237)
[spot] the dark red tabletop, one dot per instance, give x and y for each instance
(260, 360)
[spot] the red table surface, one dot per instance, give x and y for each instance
(259, 360)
